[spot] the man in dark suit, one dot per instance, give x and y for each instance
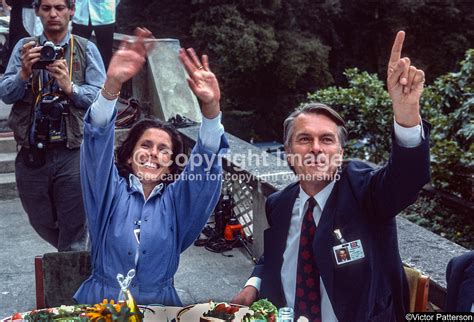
(460, 279)
(330, 209)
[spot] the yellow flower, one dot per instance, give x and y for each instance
(100, 312)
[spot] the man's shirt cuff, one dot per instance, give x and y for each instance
(408, 137)
(19, 83)
(255, 282)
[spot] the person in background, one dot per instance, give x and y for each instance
(97, 16)
(49, 103)
(23, 22)
(460, 282)
(143, 212)
(4, 8)
(329, 207)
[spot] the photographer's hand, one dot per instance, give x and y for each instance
(29, 55)
(59, 70)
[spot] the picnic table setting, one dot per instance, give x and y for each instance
(127, 310)
(106, 311)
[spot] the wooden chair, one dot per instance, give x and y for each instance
(58, 276)
(418, 285)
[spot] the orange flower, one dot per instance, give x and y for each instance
(103, 311)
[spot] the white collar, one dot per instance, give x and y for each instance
(321, 197)
(136, 185)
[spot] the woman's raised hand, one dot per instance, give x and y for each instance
(128, 59)
(202, 82)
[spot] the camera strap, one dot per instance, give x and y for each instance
(40, 94)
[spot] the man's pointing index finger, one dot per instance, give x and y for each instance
(397, 48)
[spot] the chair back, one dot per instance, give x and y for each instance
(58, 276)
(418, 285)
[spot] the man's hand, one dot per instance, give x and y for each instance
(245, 297)
(202, 82)
(29, 55)
(405, 85)
(128, 60)
(60, 71)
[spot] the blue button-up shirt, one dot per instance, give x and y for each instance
(12, 87)
(169, 220)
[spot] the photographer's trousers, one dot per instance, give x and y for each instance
(51, 196)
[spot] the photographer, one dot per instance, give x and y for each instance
(51, 80)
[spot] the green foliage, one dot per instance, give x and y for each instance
(263, 65)
(366, 107)
(240, 44)
(448, 104)
(301, 58)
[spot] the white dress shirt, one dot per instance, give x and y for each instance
(290, 256)
(406, 137)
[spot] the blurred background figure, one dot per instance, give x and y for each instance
(97, 16)
(460, 280)
(23, 22)
(4, 8)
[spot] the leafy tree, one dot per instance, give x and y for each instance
(264, 66)
(449, 103)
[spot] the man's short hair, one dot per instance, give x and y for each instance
(314, 108)
(69, 3)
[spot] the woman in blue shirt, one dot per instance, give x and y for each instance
(140, 215)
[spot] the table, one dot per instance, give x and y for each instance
(161, 313)
(167, 313)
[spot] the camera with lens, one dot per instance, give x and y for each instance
(48, 54)
(50, 123)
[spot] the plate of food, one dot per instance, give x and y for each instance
(212, 312)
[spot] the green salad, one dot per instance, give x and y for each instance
(263, 310)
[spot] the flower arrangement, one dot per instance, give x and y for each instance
(126, 310)
(101, 312)
(109, 312)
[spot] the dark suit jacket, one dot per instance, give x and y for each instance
(362, 205)
(460, 279)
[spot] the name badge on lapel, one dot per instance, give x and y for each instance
(347, 252)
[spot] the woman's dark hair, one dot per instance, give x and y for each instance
(125, 150)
